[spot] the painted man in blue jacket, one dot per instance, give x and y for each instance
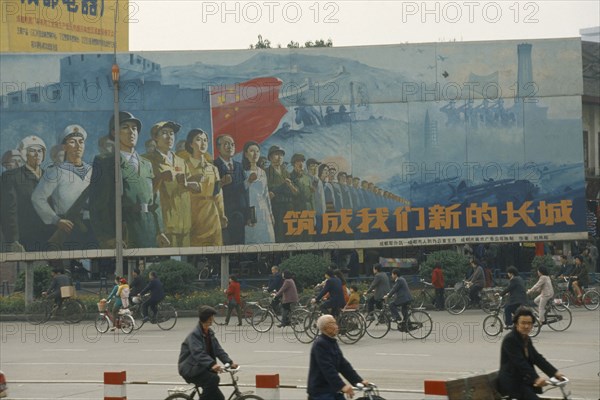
(327, 363)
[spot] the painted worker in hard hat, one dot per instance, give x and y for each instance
(142, 216)
(171, 175)
(61, 198)
(12, 159)
(22, 228)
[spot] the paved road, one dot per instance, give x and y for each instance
(58, 355)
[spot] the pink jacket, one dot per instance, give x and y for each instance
(544, 284)
(288, 292)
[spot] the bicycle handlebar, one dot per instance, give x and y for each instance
(557, 382)
(362, 388)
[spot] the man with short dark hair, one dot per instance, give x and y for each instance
(401, 297)
(157, 293)
(59, 280)
(336, 301)
(516, 292)
(197, 359)
(380, 286)
(517, 377)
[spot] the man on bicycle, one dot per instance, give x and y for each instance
(380, 286)
(157, 293)
(336, 301)
(327, 363)
(476, 282)
(59, 280)
(402, 298)
(517, 377)
(197, 358)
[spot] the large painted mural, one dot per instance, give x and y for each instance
(244, 151)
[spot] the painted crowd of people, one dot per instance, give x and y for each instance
(175, 196)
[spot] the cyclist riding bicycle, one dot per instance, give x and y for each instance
(402, 298)
(327, 363)
(157, 293)
(59, 280)
(517, 377)
(197, 359)
(335, 302)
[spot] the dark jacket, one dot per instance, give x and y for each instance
(58, 281)
(333, 286)
(380, 285)
(517, 369)
(136, 286)
(400, 291)
(516, 291)
(193, 357)
(326, 363)
(155, 287)
(275, 282)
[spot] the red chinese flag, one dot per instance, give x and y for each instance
(247, 111)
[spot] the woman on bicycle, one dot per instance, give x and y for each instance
(544, 286)
(289, 296)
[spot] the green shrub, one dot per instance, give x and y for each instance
(42, 276)
(176, 276)
(308, 268)
(537, 262)
(453, 264)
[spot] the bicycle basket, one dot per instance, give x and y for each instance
(102, 305)
(557, 302)
(124, 311)
(458, 285)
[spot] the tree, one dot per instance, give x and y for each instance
(261, 44)
(266, 44)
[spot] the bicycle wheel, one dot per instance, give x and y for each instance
(262, 320)
(128, 323)
(38, 312)
(537, 327)
(166, 317)
(351, 327)
(249, 311)
(102, 323)
(591, 300)
(181, 396)
(73, 311)
(136, 314)
(304, 332)
(492, 325)
(421, 300)
(558, 320)
(204, 273)
(455, 303)
(565, 299)
(378, 324)
(297, 318)
(221, 314)
(419, 324)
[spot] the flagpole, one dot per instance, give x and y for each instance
(117, 147)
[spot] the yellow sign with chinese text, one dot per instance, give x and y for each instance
(34, 26)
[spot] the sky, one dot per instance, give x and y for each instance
(212, 25)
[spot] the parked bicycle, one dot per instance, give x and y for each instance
(426, 296)
(379, 323)
(590, 298)
(165, 318)
(190, 393)
(42, 309)
(206, 270)
(123, 320)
